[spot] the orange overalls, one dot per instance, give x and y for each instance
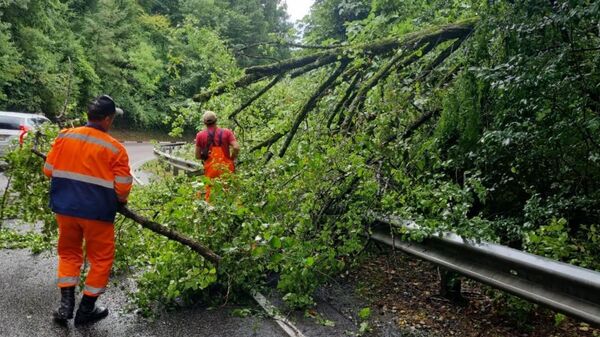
(217, 162)
(90, 175)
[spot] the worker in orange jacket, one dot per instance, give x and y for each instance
(217, 148)
(90, 179)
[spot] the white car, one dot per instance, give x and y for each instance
(13, 124)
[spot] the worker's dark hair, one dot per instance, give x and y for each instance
(94, 116)
(101, 107)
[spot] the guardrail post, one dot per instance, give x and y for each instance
(450, 285)
(175, 170)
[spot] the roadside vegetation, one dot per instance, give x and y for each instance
(478, 117)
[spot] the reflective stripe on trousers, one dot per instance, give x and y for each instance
(67, 281)
(100, 248)
(88, 290)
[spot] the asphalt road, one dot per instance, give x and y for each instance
(28, 295)
(139, 153)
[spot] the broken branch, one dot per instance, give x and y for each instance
(269, 141)
(170, 234)
(310, 104)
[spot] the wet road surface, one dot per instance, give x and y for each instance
(28, 295)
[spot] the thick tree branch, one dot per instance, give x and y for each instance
(170, 234)
(283, 44)
(441, 58)
(424, 118)
(361, 95)
(342, 102)
(255, 74)
(222, 88)
(293, 63)
(260, 57)
(358, 101)
(309, 105)
(269, 141)
(310, 67)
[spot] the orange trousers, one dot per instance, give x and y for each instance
(216, 165)
(99, 246)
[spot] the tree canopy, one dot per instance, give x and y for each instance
(150, 55)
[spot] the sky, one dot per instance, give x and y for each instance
(297, 9)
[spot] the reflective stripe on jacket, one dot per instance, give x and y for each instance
(90, 173)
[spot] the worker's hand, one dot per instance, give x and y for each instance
(121, 204)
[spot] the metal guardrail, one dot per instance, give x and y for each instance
(164, 152)
(564, 287)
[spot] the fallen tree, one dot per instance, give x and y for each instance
(394, 54)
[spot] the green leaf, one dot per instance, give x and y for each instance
(364, 313)
(276, 242)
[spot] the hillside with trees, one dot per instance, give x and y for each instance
(150, 55)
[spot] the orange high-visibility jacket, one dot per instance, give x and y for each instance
(90, 174)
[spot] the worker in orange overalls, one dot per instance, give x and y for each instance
(90, 180)
(217, 148)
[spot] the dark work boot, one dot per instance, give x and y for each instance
(67, 304)
(88, 312)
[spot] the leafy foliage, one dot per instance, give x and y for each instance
(25, 200)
